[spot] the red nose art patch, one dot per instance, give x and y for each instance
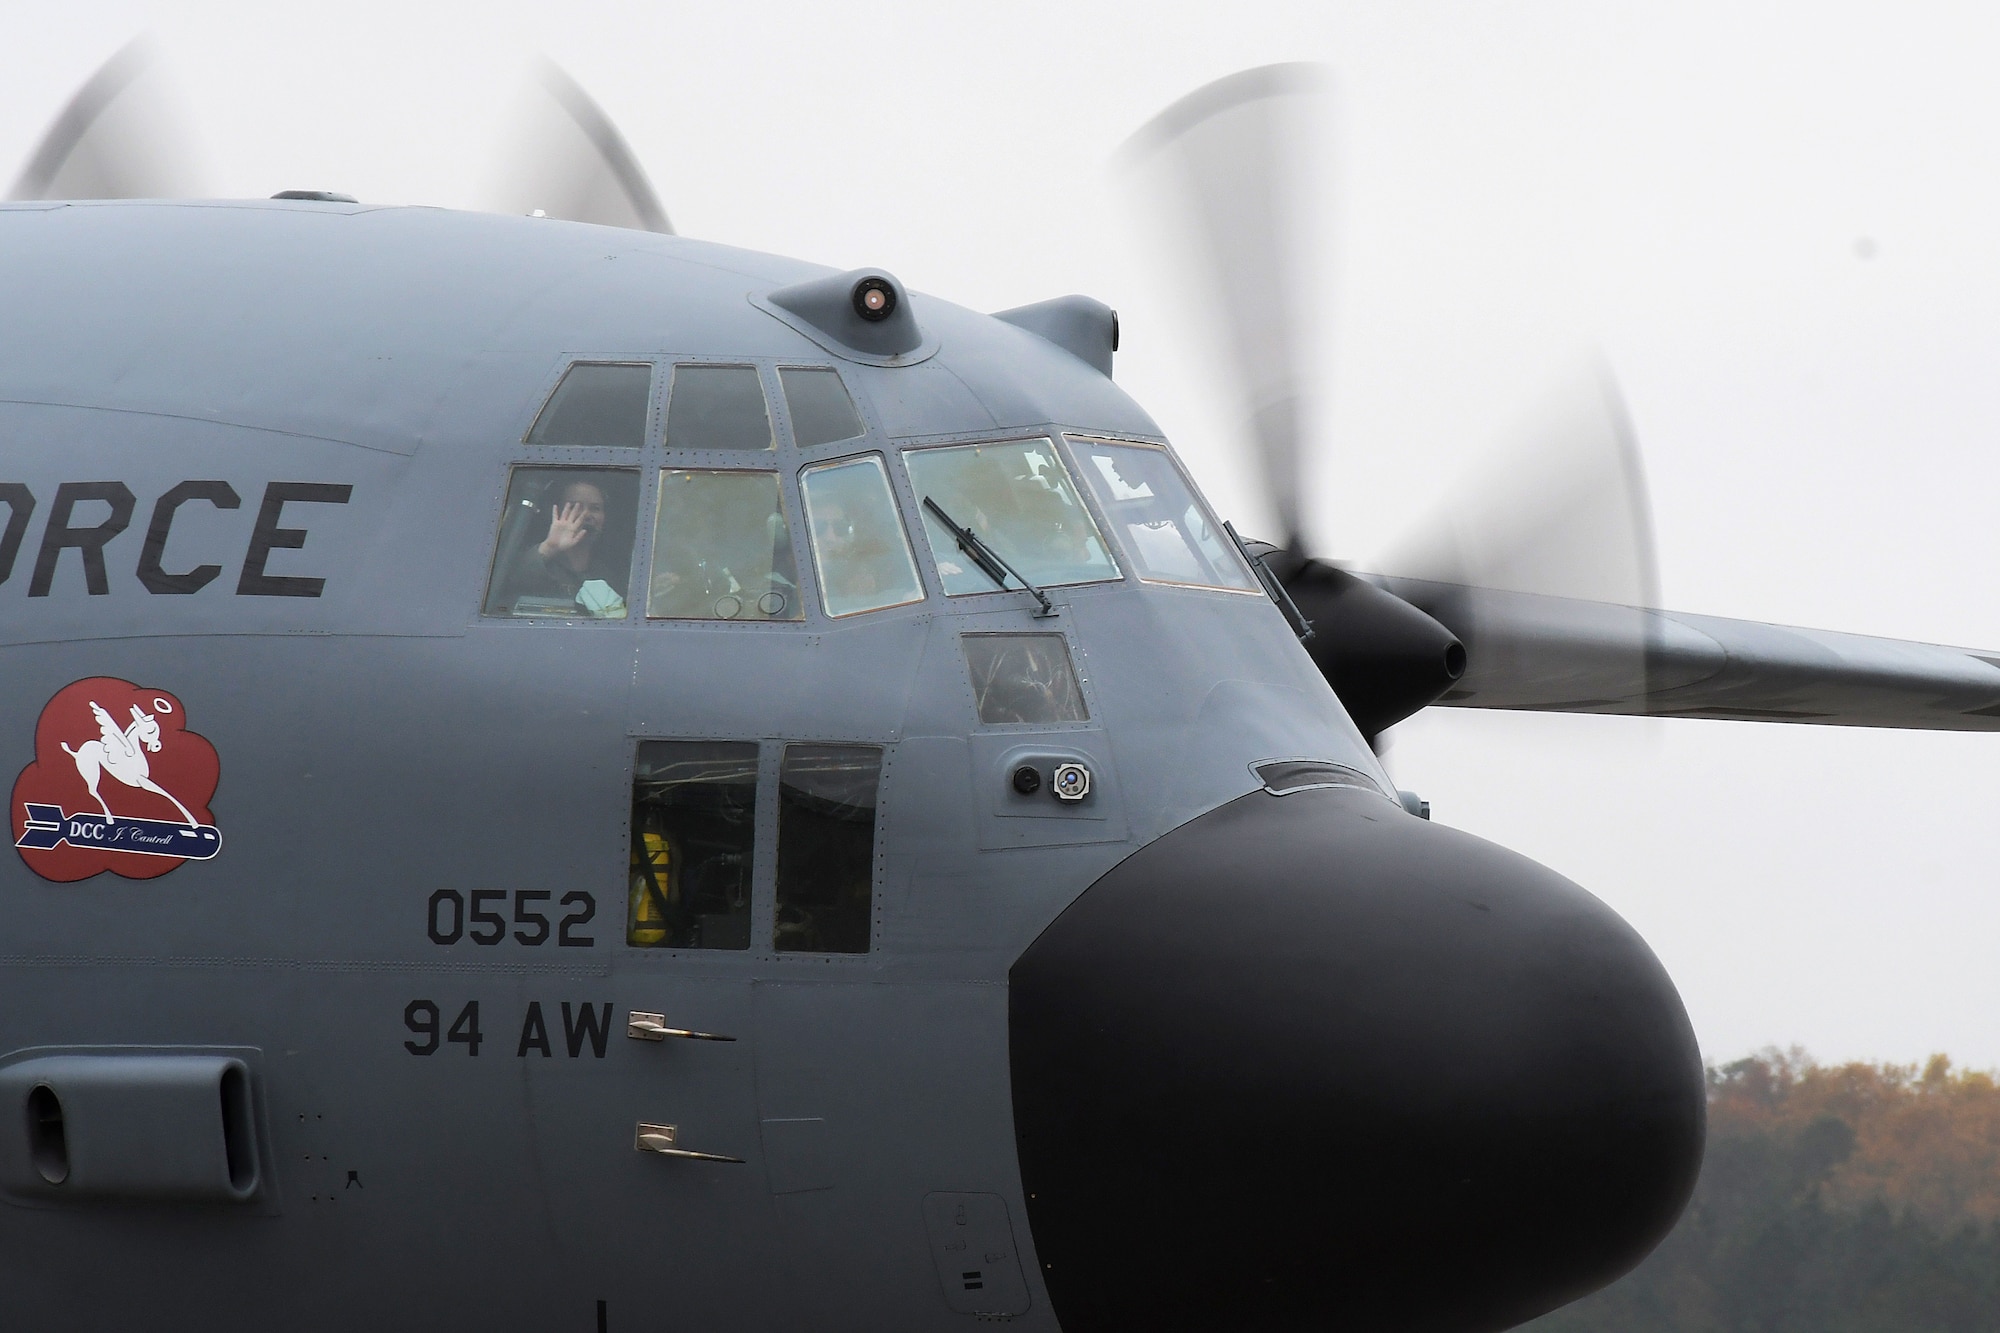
(118, 783)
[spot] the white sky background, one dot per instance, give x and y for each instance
(1685, 186)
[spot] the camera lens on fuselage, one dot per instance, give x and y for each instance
(874, 299)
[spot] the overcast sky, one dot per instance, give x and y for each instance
(1780, 224)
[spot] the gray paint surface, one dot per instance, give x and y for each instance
(381, 742)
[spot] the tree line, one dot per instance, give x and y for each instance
(1857, 1198)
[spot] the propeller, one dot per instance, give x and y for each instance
(565, 159)
(1560, 512)
(1553, 520)
(1559, 509)
(1232, 163)
(123, 136)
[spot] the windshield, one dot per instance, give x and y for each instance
(1019, 500)
(1167, 534)
(859, 547)
(721, 550)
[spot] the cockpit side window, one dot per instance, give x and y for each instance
(860, 551)
(722, 549)
(1017, 497)
(819, 405)
(565, 543)
(1167, 534)
(694, 834)
(597, 405)
(718, 407)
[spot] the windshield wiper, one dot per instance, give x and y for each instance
(1272, 587)
(989, 560)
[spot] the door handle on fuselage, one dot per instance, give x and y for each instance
(663, 1139)
(653, 1027)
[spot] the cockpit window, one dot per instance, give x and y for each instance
(1017, 498)
(717, 407)
(859, 549)
(1167, 533)
(722, 550)
(819, 406)
(597, 405)
(1023, 678)
(565, 546)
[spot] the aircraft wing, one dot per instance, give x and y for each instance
(1567, 655)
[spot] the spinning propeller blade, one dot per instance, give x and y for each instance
(1564, 514)
(566, 159)
(121, 137)
(1534, 586)
(1559, 509)
(1234, 164)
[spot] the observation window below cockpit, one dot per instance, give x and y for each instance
(1018, 499)
(565, 543)
(694, 834)
(818, 403)
(718, 407)
(1168, 535)
(860, 552)
(597, 405)
(1023, 678)
(722, 549)
(826, 848)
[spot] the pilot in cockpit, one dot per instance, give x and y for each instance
(569, 565)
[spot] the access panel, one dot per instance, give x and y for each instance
(972, 1243)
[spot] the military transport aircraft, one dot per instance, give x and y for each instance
(575, 778)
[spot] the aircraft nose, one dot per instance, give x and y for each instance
(1309, 1062)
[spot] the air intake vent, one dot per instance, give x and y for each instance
(48, 1146)
(132, 1126)
(1086, 329)
(1281, 777)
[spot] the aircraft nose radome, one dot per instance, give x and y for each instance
(1310, 1063)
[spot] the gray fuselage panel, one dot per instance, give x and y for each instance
(417, 921)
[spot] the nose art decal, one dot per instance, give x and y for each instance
(118, 783)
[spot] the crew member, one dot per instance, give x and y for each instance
(569, 565)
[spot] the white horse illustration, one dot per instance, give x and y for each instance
(122, 754)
